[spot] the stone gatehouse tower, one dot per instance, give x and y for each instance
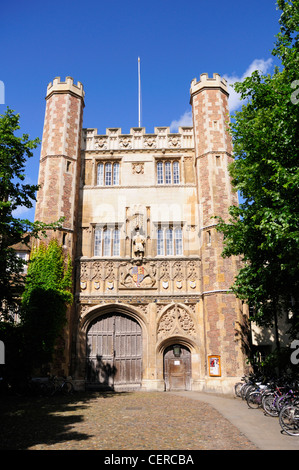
(152, 308)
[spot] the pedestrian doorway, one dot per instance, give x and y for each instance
(177, 367)
(114, 353)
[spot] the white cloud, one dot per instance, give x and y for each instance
(234, 98)
(20, 211)
(184, 120)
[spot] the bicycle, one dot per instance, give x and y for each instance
(254, 399)
(59, 385)
(269, 400)
(289, 419)
(242, 388)
(288, 398)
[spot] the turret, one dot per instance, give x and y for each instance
(213, 153)
(60, 157)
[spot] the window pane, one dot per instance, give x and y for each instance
(116, 174)
(160, 173)
(176, 173)
(107, 243)
(116, 243)
(178, 242)
(97, 242)
(100, 176)
(160, 242)
(108, 174)
(168, 173)
(169, 242)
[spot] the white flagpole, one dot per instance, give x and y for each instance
(139, 95)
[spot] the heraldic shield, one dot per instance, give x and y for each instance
(138, 274)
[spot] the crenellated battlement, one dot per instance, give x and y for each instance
(58, 86)
(137, 139)
(207, 82)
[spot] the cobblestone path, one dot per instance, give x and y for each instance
(116, 421)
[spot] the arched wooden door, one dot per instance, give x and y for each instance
(177, 368)
(114, 353)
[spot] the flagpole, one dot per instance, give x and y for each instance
(139, 95)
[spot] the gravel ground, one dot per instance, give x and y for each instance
(116, 421)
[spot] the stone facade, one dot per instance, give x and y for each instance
(139, 226)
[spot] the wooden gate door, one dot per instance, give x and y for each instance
(177, 369)
(114, 353)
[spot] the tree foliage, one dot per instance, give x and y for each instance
(45, 299)
(14, 193)
(264, 229)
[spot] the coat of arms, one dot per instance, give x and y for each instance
(138, 274)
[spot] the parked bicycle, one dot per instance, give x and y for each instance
(289, 419)
(57, 385)
(277, 397)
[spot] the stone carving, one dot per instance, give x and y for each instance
(177, 271)
(125, 143)
(138, 244)
(149, 142)
(139, 272)
(109, 271)
(84, 271)
(174, 142)
(176, 320)
(164, 270)
(137, 275)
(96, 270)
(84, 309)
(101, 144)
(138, 168)
(142, 307)
(192, 270)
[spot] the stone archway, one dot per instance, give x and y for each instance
(114, 352)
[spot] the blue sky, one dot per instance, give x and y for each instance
(98, 44)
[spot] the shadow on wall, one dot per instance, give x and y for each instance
(100, 374)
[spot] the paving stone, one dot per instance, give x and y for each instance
(118, 421)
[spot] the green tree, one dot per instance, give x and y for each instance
(264, 229)
(14, 192)
(45, 299)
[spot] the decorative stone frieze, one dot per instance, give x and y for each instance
(138, 139)
(122, 274)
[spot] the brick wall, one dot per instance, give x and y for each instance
(213, 146)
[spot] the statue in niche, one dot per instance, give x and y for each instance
(138, 244)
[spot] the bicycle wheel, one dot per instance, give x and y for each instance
(269, 405)
(67, 388)
(254, 400)
(244, 390)
(250, 389)
(289, 420)
(283, 401)
(238, 387)
(265, 395)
